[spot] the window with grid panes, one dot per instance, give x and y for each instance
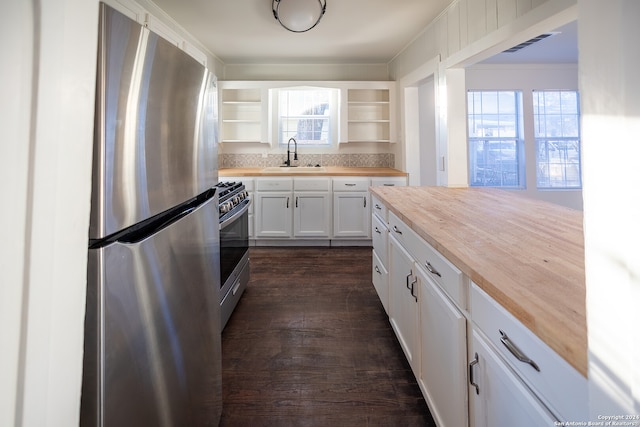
(496, 155)
(308, 115)
(556, 117)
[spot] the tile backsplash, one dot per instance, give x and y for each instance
(377, 160)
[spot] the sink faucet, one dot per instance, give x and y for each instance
(295, 151)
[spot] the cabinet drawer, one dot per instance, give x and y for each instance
(379, 208)
(351, 184)
(446, 275)
(389, 181)
(274, 184)
(380, 278)
(249, 183)
(380, 239)
(312, 184)
(556, 383)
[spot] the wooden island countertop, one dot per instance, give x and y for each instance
(325, 171)
(526, 254)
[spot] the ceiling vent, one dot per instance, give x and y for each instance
(529, 42)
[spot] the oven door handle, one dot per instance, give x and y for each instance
(236, 215)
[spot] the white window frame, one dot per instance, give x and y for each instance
(558, 141)
(283, 135)
(496, 176)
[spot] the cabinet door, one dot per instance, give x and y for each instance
(312, 214)
(403, 302)
(443, 337)
(380, 238)
(273, 214)
(501, 399)
(351, 214)
(380, 279)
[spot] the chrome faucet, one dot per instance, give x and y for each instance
(295, 151)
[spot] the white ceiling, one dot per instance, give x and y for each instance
(351, 31)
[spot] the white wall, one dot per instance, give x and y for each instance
(46, 116)
(528, 78)
(146, 12)
(322, 72)
(610, 90)
(428, 144)
(467, 32)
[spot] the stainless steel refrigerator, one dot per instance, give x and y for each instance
(152, 327)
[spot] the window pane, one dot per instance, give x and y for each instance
(495, 139)
(494, 163)
(305, 114)
(557, 132)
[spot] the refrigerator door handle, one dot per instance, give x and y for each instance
(138, 232)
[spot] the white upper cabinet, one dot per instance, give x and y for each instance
(368, 112)
(244, 112)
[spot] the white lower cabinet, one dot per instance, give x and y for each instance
(403, 302)
(289, 208)
(351, 208)
(498, 398)
(311, 214)
(273, 214)
(380, 279)
(443, 356)
(380, 261)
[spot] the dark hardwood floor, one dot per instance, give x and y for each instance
(309, 344)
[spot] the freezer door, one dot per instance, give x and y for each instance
(155, 128)
(152, 346)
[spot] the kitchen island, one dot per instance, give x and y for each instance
(526, 254)
(485, 290)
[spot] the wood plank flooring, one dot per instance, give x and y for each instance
(309, 344)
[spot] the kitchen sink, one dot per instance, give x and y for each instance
(293, 169)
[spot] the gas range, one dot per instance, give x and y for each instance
(234, 202)
(231, 197)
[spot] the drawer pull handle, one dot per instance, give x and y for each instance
(350, 185)
(378, 207)
(411, 289)
(396, 230)
(388, 185)
(236, 287)
(471, 380)
(432, 270)
(513, 349)
(378, 270)
(378, 230)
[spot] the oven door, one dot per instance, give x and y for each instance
(234, 245)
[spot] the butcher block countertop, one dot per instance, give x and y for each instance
(325, 171)
(527, 254)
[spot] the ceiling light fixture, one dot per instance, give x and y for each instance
(298, 16)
